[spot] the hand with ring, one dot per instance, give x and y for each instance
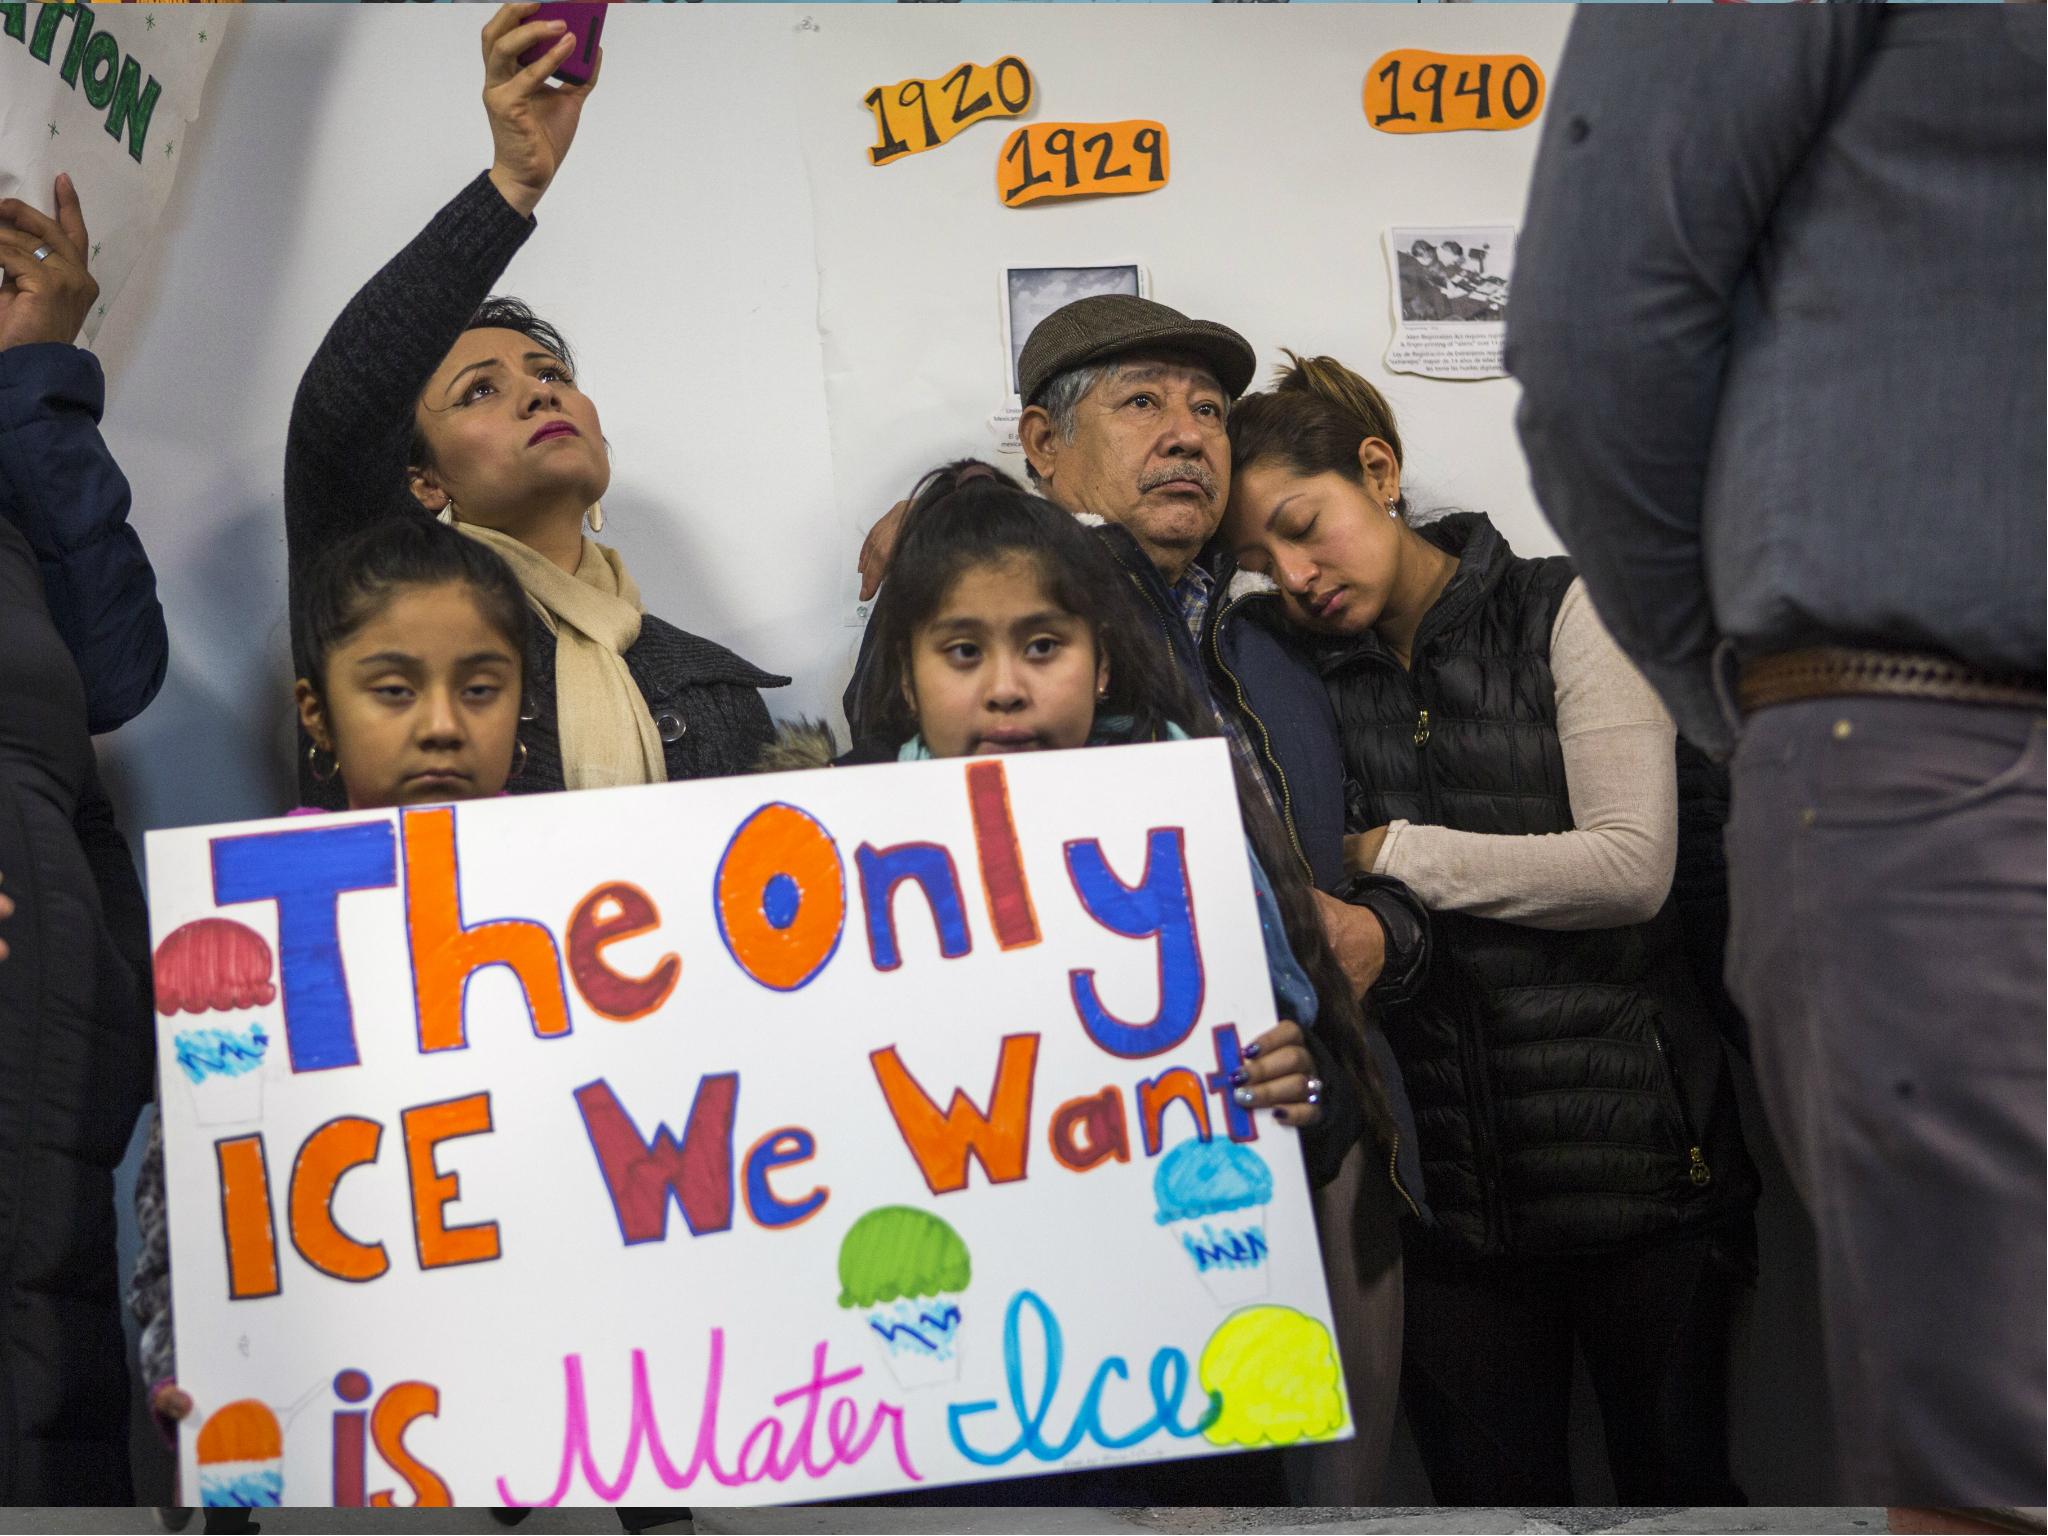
(1279, 1074)
(45, 292)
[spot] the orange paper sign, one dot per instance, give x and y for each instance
(1042, 160)
(1414, 91)
(913, 116)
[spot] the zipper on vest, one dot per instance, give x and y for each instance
(1265, 737)
(1421, 737)
(1697, 1169)
(1394, 1177)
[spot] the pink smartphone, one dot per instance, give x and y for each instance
(586, 21)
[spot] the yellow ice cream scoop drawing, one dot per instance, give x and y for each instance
(1276, 1371)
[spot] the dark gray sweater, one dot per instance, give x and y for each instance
(345, 466)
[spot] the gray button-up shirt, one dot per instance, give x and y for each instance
(1777, 311)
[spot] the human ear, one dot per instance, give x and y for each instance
(427, 489)
(1381, 469)
(312, 715)
(1040, 439)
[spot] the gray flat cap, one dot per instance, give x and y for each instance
(1112, 324)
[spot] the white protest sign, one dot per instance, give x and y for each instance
(107, 94)
(752, 1140)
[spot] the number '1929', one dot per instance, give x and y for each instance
(1042, 160)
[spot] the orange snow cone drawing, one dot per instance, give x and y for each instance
(241, 1457)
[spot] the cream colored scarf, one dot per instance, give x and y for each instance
(607, 735)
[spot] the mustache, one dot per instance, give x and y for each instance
(1193, 470)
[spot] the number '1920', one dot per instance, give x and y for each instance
(913, 116)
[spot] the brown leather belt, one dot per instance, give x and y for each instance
(1830, 671)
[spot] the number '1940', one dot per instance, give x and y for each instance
(1412, 91)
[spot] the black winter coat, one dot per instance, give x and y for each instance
(82, 649)
(75, 1037)
(1568, 1086)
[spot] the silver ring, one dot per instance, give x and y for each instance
(1315, 1090)
(41, 253)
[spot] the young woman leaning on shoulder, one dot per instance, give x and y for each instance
(1578, 1131)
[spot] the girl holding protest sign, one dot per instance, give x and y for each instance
(429, 397)
(1005, 626)
(408, 640)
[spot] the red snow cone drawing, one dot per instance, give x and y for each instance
(212, 963)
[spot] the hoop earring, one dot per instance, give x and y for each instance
(595, 517)
(518, 761)
(314, 752)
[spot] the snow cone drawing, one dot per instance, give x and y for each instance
(1212, 1201)
(218, 965)
(907, 1268)
(1275, 1371)
(241, 1457)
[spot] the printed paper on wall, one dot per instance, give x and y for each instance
(1450, 296)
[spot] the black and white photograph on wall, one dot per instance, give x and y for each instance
(1032, 293)
(1450, 299)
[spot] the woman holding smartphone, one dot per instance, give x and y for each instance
(430, 397)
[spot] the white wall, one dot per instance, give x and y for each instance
(779, 337)
(718, 250)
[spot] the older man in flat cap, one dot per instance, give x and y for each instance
(1125, 402)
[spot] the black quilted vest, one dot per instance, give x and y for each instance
(1568, 1087)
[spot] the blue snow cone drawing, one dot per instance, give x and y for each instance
(1212, 1198)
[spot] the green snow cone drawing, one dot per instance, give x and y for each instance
(907, 1268)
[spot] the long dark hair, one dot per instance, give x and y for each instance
(968, 514)
(355, 580)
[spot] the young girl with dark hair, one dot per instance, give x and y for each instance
(429, 398)
(408, 640)
(1579, 1135)
(1006, 626)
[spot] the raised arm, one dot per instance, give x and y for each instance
(348, 448)
(1667, 140)
(59, 484)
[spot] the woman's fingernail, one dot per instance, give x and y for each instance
(1243, 1096)
(1251, 1050)
(1240, 1076)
